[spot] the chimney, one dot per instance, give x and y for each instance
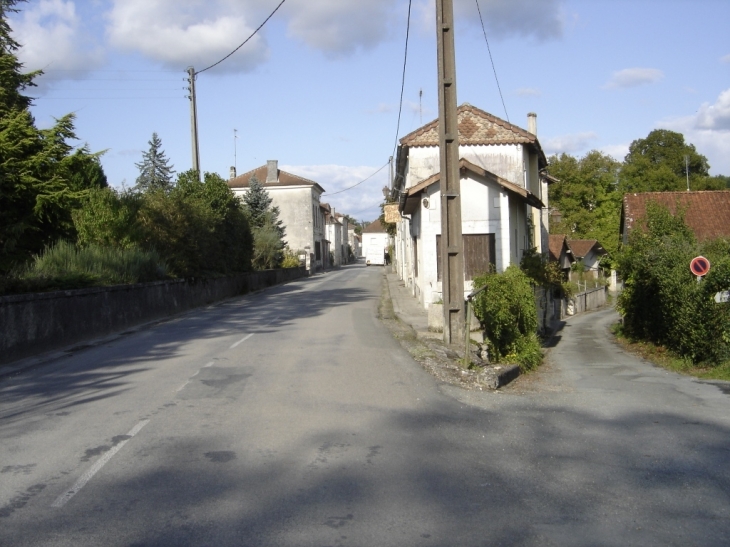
(272, 171)
(532, 123)
(233, 172)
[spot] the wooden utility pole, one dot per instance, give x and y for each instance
(452, 247)
(194, 119)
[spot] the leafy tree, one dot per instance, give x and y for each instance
(155, 173)
(42, 179)
(268, 230)
(587, 197)
(662, 302)
(108, 218)
(657, 164)
(199, 228)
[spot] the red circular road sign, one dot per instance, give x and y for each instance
(699, 266)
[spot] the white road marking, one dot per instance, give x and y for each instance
(196, 373)
(101, 462)
(182, 387)
(242, 340)
(207, 365)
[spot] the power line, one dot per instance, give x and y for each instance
(246, 40)
(359, 183)
(484, 30)
(403, 80)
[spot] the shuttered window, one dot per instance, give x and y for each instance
(479, 255)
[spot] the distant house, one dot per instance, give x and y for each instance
(298, 200)
(334, 225)
(343, 227)
(355, 241)
(589, 252)
(375, 243)
(503, 193)
(560, 252)
(707, 213)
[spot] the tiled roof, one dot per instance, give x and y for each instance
(374, 228)
(555, 245)
(581, 247)
(285, 179)
(707, 213)
(475, 127)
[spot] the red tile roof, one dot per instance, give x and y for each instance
(476, 127)
(285, 179)
(555, 245)
(581, 247)
(707, 213)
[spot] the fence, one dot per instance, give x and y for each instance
(35, 323)
(550, 309)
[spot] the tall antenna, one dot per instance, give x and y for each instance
(420, 104)
(235, 138)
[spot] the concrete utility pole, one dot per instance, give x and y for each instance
(452, 246)
(194, 119)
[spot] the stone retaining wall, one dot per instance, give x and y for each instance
(31, 324)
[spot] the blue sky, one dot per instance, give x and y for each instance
(318, 88)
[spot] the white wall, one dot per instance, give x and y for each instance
(295, 205)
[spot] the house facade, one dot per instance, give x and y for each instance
(502, 193)
(300, 210)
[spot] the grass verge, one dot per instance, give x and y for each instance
(664, 358)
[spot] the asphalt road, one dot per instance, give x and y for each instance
(293, 418)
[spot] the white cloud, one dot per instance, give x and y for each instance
(709, 130)
(382, 108)
(539, 19)
(361, 202)
(197, 32)
(53, 38)
(569, 144)
(725, 59)
(528, 92)
(715, 116)
(633, 77)
(338, 28)
(616, 151)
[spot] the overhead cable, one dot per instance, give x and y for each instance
(484, 30)
(403, 80)
(359, 183)
(246, 40)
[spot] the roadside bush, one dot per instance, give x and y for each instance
(67, 266)
(662, 302)
(108, 218)
(508, 315)
(291, 259)
(199, 228)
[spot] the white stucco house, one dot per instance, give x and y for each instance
(503, 199)
(301, 212)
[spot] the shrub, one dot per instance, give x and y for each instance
(508, 315)
(662, 302)
(67, 266)
(291, 260)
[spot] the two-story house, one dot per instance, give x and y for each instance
(300, 210)
(503, 199)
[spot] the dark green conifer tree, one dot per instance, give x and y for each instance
(155, 172)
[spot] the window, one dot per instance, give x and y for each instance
(479, 255)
